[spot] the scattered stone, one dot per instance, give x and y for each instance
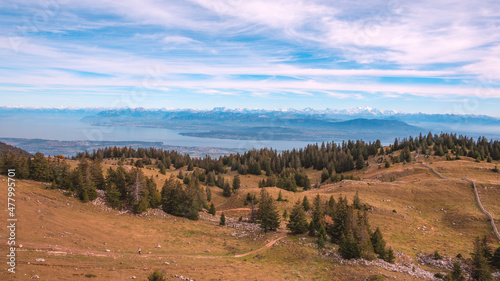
(40, 260)
(108, 250)
(133, 277)
(158, 246)
(207, 251)
(35, 277)
(167, 263)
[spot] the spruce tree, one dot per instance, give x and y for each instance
(306, 204)
(318, 212)
(356, 202)
(321, 236)
(209, 193)
(495, 261)
(267, 214)
(378, 243)
(456, 274)
(280, 197)
(349, 248)
(222, 219)
(298, 222)
(212, 210)
(226, 189)
(480, 267)
(236, 183)
(360, 162)
(390, 256)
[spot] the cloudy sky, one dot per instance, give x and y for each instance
(412, 56)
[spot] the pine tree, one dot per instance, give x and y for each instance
(280, 197)
(306, 204)
(113, 196)
(210, 179)
(39, 168)
(298, 223)
(321, 236)
(318, 212)
(222, 219)
(360, 162)
(495, 260)
(356, 202)
(226, 189)
(324, 175)
(209, 194)
(390, 256)
(349, 248)
(480, 268)
(267, 215)
(212, 210)
(285, 215)
(378, 243)
(456, 274)
(236, 183)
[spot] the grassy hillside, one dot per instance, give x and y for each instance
(417, 211)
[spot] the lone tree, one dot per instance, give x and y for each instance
(298, 223)
(236, 183)
(222, 219)
(212, 210)
(267, 215)
(306, 204)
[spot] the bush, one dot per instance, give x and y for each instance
(437, 256)
(439, 275)
(156, 276)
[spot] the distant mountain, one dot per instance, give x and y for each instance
(12, 149)
(281, 124)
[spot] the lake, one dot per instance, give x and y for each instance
(71, 129)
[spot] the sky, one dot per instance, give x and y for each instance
(411, 56)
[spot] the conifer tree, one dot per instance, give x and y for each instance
(280, 197)
(226, 189)
(356, 202)
(236, 183)
(318, 212)
(306, 204)
(222, 219)
(324, 175)
(267, 215)
(209, 194)
(378, 243)
(349, 248)
(480, 267)
(321, 236)
(298, 222)
(390, 256)
(495, 261)
(212, 210)
(360, 162)
(456, 273)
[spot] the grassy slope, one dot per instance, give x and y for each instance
(50, 223)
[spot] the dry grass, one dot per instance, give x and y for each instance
(73, 237)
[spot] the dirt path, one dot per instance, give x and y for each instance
(236, 209)
(63, 251)
(269, 244)
(478, 200)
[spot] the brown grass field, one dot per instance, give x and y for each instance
(417, 212)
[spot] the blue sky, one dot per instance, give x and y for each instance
(429, 56)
